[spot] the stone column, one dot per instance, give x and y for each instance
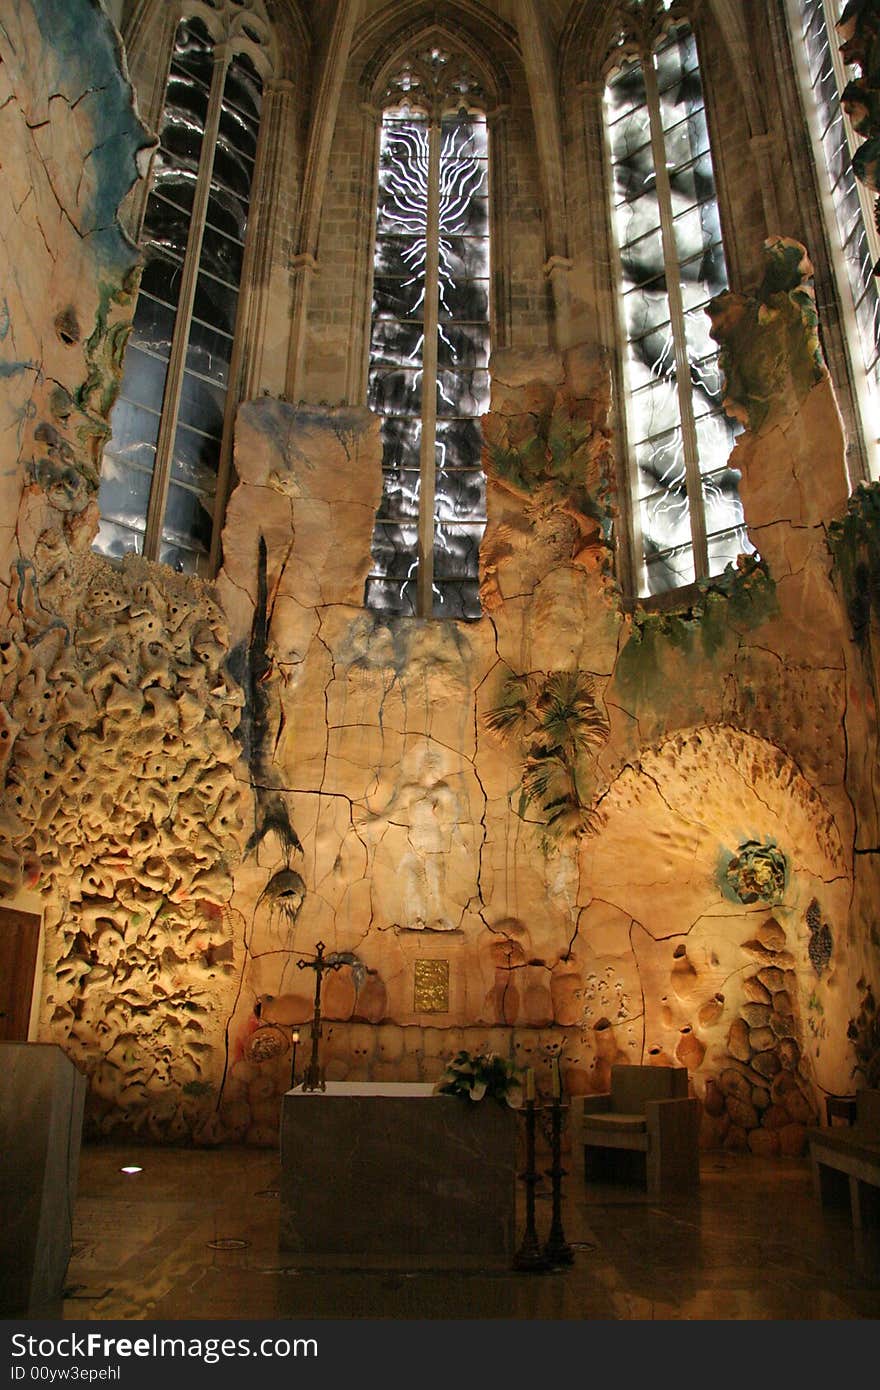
(496, 121)
(314, 182)
(246, 369)
(272, 163)
(762, 147)
(543, 95)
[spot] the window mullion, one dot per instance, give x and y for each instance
(633, 556)
(677, 326)
(846, 208)
(180, 336)
(428, 452)
(853, 140)
(246, 337)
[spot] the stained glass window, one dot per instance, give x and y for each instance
(160, 471)
(687, 516)
(429, 356)
(850, 223)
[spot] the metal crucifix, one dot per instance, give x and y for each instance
(312, 1078)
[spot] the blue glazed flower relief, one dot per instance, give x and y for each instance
(756, 873)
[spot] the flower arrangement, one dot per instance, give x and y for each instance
(475, 1075)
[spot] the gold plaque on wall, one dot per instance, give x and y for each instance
(431, 992)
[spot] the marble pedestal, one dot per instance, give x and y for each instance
(41, 1110)
(389, 1175)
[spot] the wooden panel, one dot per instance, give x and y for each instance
(19, 939)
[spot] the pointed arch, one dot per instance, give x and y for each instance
(278, 26)
(399, 30)
(386, 34)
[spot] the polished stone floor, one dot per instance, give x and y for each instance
(194, 1235)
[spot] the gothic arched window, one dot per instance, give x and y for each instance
(849, 218)
(162, 479)
(429, 346)
(687, 516)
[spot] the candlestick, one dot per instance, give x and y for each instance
(530, 1256)
(557, 1250)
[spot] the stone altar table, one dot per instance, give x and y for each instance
(41, 1111)
(388, 1175)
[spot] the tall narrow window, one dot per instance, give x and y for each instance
(161, 479)
(849, 215)
(687, 516)
(429, 352)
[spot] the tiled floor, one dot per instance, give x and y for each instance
(195, 1236)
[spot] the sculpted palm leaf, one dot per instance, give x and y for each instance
(546, 780)
(570, 818)
(513, 716)
(569, 714)
(566, 818)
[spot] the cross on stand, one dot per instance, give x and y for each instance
(312, 1078)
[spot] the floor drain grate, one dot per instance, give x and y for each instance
(228, 1243)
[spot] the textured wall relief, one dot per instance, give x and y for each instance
(770, 352)
(855, 544)
(821, 942)
(763, 1099)
(548, 457)
(124, 808)
(673, 668)
(262, 718)
(863, 1032)
(854, 540)
(283, 895)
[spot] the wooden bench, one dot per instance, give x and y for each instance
(845, 1161)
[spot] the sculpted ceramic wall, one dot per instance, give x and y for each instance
(124, 808)
(624, 835)
(121, 802)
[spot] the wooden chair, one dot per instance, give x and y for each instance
(645, 1130)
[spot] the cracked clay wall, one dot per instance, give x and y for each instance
(625, 834)
(628, 835)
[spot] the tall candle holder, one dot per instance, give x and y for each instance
(530, 1256)
(557, 1251)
